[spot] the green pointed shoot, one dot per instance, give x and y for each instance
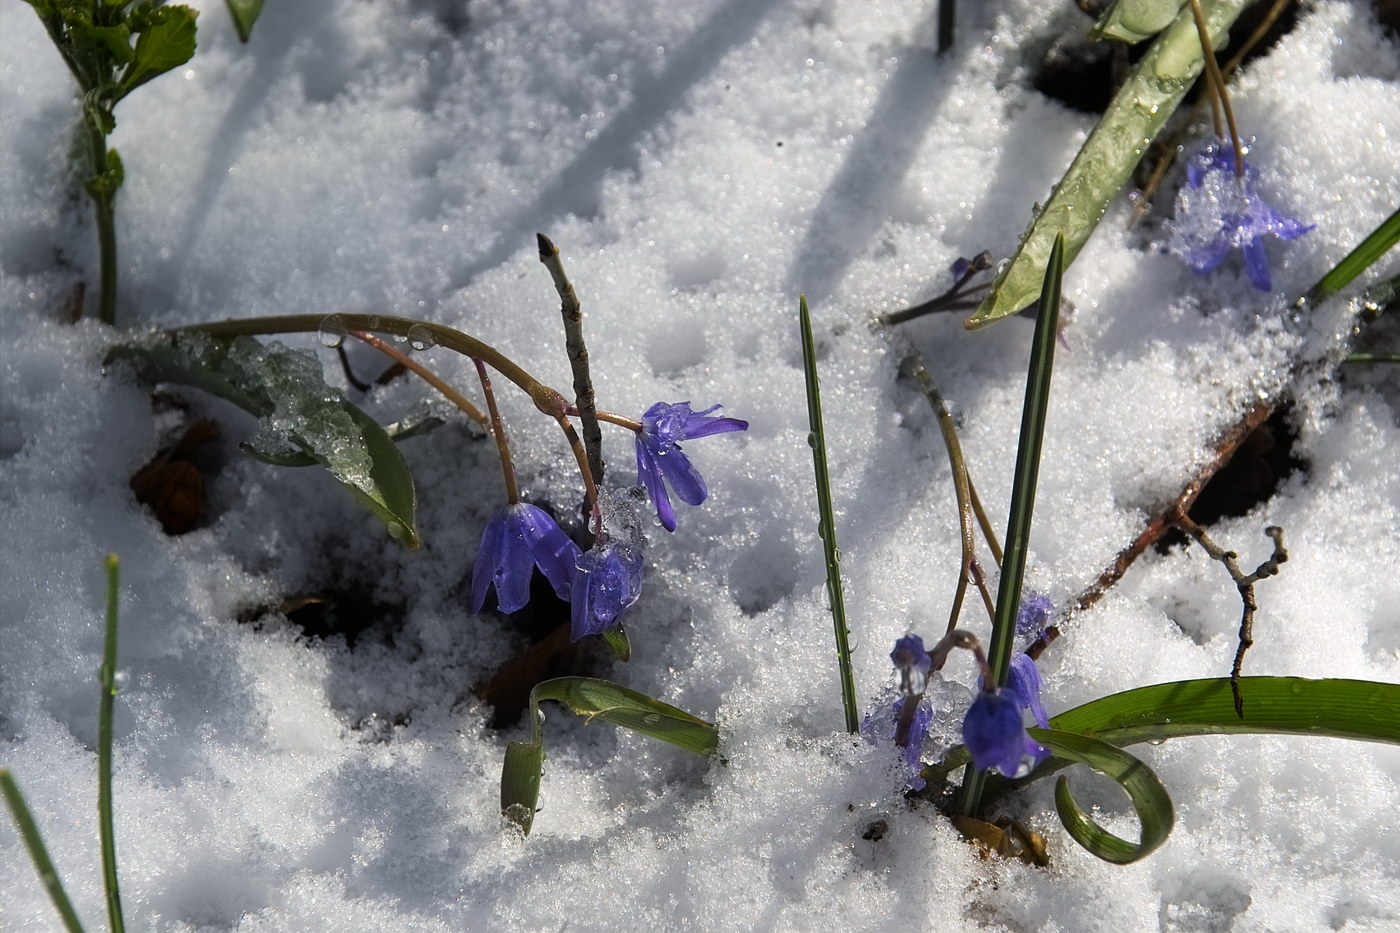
(107, 828)
(827, 518)
(244, 13)
(595, 699)
(302, 416)
(1106, 160)
(1023, 484)
(38, 852)
(1144, 789)
(1357, 261)
(1135, 21)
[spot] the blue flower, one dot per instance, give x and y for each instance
(1031, 617)
(660, 459)
(913, 663)
(995, 736)
(1217, 212)
(607, 579)
(517, 539)
(1024, 682)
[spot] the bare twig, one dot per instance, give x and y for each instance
(1245, 584)
(578, 356)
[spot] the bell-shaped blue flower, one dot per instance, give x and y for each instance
(660, 459)
(912, 663)
(1024, 681)
(1217, 212)
(606, 580)
(517, 539)
(995, 736)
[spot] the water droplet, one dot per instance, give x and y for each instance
(1157, 742)
(373, 322)
(119, 680)
(333, 330)
(420, 337)
(652, 719)
(811, 439)
(400, 338)
(837, 555)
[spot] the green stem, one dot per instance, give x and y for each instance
(102, 188)
(546, 399)
(828, 521)
(1018, 525)
(38, 853)
(104, 754)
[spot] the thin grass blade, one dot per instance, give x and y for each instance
(827, 519)
(38, 852)
(1357, 261)
(105, 710)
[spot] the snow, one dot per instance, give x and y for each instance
(698, 165)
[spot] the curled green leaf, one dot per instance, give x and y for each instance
(595, 699)
(244, 13)
(1134, 21)
(1149, 798)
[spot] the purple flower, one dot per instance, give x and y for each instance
(995, 736)
(1031, 617)
(913, 663)
(517, 539)
(606, 581)
(1218, 212)
(1024, 681)
(659, 453)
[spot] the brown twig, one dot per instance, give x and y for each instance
(578, 355)
(1245, 584)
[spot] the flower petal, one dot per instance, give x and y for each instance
(1256, 264)
(684, 478)
(1025, 682)
(649, 475)
(488, 555)
(516, 565)
(551, 549)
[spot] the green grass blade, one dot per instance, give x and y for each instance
(1106, 160)
(1144, 789)
(595, 699)
(1023, 485)
(104, 754)
(817, 440)
(1134, 21)
(38, 852)
(1357, 261)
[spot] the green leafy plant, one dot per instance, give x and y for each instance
(112, 47)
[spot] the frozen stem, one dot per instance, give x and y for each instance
(578, 356)
(1244, 583)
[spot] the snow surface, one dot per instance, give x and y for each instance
(698, 164)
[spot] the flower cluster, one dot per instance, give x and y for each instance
(1218, 211)
(603, 582)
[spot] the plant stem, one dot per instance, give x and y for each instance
(578, 355)
(827, 527)
(499, 430)
(38, 852)
(546, 399)
(103, 193)
(589, 485)
(104, 754)
(424, 373)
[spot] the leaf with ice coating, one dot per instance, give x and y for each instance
(301, 419)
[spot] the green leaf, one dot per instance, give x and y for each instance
(1106, 160)
(166, 40)
(1023, 485)
(1144, 789)
(28, 830)
(826, 521)
(1357, 261)
(300, 415)
(245, 14)
(596, 699)
(1134, 21)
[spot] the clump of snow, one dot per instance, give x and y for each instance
(698, 165)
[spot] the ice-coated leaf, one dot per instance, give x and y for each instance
(1144, 789)
(245, 14)
(1106, 160)
(166, 41)
(595, 699)
(298, 414)
(1133, 21)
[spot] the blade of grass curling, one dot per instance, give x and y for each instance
(1106, 160)
(38, 852)
(595, 699)
(816, 439)
(1363, 710)
(104, 754)
(1018, 523)
(1357, 261)
(1144, 789)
